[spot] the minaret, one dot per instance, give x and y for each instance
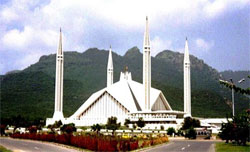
(187, 82)
(146, 67)
(58, 114)
(110, 69)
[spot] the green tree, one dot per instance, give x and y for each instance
(227, 131)
(2, 129)
(188, 127)
(57, 124)
(190, 133)
(171, 131)
(190, 123)
(112, 124)
(39, 123)
(127, 122)
(19, 121)
(97, 128)
(237, 129)
(140, 123)
(68, 128)
(179, 132)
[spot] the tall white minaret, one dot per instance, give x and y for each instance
(58, 114)
(187, 82)
(110, 69)
(147, 67)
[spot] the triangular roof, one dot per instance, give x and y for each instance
(128, 93)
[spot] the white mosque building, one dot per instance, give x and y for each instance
(125, 99)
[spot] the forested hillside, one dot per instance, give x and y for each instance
(30, 92)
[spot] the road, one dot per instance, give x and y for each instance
(18, 145)
(185, 146)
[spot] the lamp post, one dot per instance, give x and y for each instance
(241, 80)
(232, 84)
(232, 95)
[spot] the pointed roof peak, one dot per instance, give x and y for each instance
(186, 38)
(110, 60)
(59, 51)
(146, 34)
(186, 53)
(110, 47)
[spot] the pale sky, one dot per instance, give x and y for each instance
(218, 30)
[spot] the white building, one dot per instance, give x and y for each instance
(126, 99)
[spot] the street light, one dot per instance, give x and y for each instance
(241, 80)
(232, 95)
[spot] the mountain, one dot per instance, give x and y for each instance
(30, 92)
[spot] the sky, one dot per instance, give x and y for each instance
(218, 31)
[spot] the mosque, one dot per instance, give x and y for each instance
(125, 99)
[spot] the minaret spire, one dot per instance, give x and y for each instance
(110, 69)
(58, 113)
(186, 55)
(187, 82)
(147, 67)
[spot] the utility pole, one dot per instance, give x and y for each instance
(232, 95)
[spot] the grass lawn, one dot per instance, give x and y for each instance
(223, 147)
(3, 149)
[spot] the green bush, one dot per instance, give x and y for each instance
(190, 123)
(68, 128)
(97, 128)
(190, 133)
(179, 132)
(171, 131)
(140, 123)
(112, 123)
(236, 130)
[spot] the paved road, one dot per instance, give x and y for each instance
(18, 145)
(185, 146)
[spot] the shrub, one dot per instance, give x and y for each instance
(171, 131)
(127, 122)
(156, 141)
(97, 128)
(190, 123)
(190, 133)
(124, 145)
(2, 129)
(140, 123)
(94, 143)
(134, 145)
(32, 129)
(179, 132)
(237, 130)
(146, 143)
(68, 128)
(112, 124)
